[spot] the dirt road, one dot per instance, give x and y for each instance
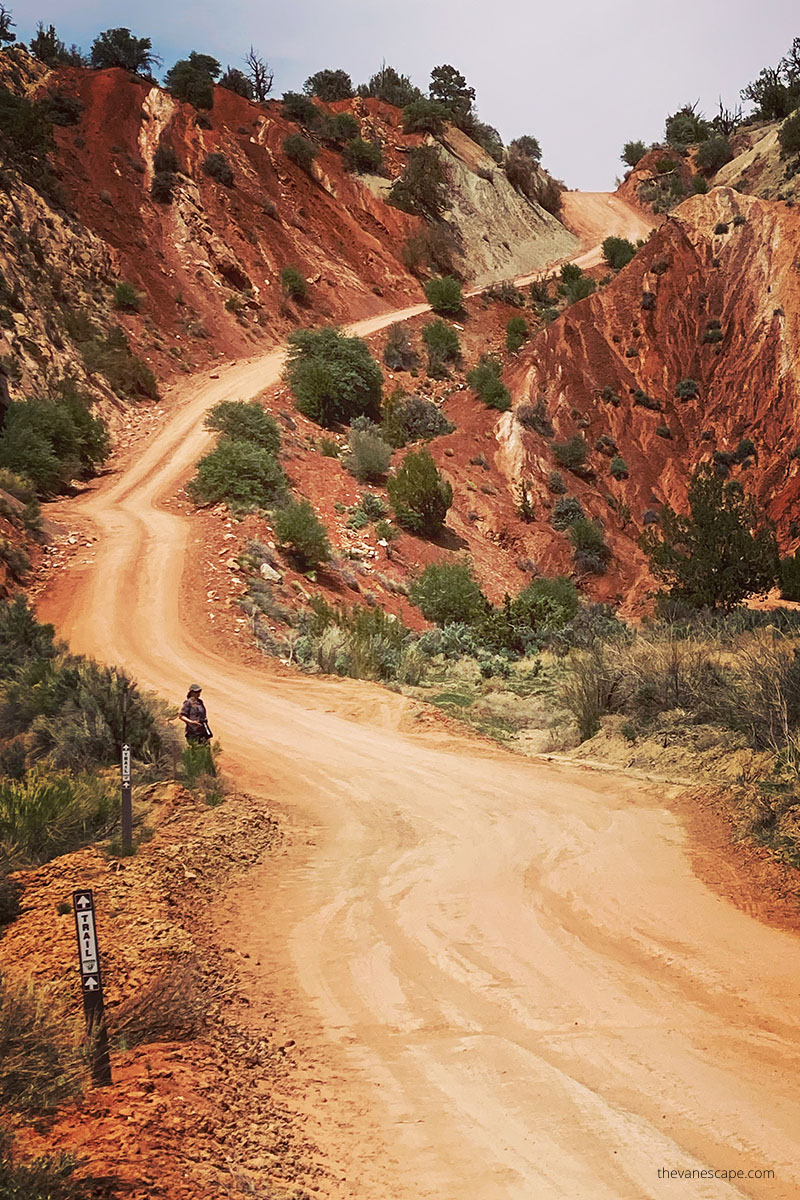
(509, 968)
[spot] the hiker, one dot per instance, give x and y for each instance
(193, 715)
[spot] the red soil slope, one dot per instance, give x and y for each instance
(747, 279)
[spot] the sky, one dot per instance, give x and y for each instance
(584, 77)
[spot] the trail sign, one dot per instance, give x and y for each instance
(92, 985)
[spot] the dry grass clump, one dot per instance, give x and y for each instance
(40, 1065)
(172, 1007)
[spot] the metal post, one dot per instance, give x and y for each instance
(127, 803)
(92, 986)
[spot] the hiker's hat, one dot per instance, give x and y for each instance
(194, 687)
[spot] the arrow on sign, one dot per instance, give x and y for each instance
(91, 984)
(84, 902)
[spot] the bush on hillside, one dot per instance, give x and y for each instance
(618, 468)
(398, 353)
(126, 298)
(108, 354)
(300, 151)
(445, 296)
(444, 349)
(720, 552)
(300, 109)
(37, 1070)
(447, 592)
(566, 511)
(687, 389)
(369, 456)
(424, 116)
(119, 48)
(392, 87)
(789, 135)
(334, 377)
(362, 157)
(302, 535)
(516, 334)
(408, 418)
(485, 380)
(192, 79)
(574, 284)
(237, 473)
(590, 552)
(618, 252)
(790, 577)
(53, 442)
(419, 495)
(434, 248)
(329, 85)
(217, 167)
(633, 153)
(422, 188)
(340, 128)
(713, 154)
(162, 189)
(245, 421)
(571, 454)
(294, 284)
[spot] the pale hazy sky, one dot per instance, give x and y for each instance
(583, 76)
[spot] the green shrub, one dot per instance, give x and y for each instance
(687, 389)
(618, 252)
(648, 301)
(633, 153)
(390, 86)
(555, 483)
(713, 154)
(424, 116)
(42, 816)
(723, 550)
(447, 592)
(365, 158)
(340, 128)
(699, 185)
(408, 418)
(369, 455)
(485, 380)
(444, 349)
(571, 454)
(398, 353)
(334, 377)
(162, 189)
(566, 511)
(419, 495)
(192, 79)
(790, 577)
(516, 334)
(445, 296)
(329, 85)
(37, 1070)
(109, 354)
(300, 109)
(574, 284)
(293, 284)
(535, 417)
(300, 150)
(789, 135)
(618, 468)
(240, 474)
(127, 298)
(745, 449)
(217, 167)
(422, 188)
(51, 443)
(590, 552)
(165, 158)
(302, 535)
(245, 422)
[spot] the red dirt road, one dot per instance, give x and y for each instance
(508, 967)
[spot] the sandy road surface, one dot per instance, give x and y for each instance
(511, 964)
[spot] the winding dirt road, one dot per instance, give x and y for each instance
(509, 967)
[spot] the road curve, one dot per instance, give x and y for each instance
(511, 963)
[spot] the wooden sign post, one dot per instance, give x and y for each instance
(92, 986)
